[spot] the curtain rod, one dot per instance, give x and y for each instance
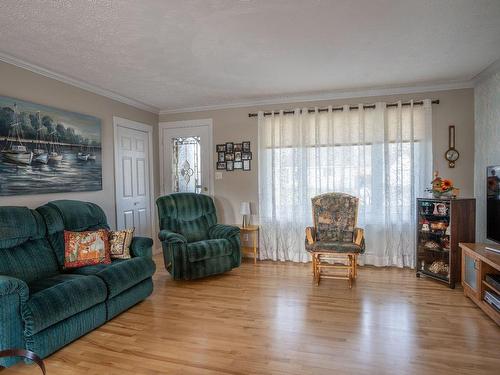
(368, 106)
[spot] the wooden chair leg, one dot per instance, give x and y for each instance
(313, 261)
(350, 270)
(355, 265)
(318, 269)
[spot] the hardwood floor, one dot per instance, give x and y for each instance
(271, 319)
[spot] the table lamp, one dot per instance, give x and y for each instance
(245, 211)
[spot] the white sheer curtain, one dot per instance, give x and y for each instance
(382, 155)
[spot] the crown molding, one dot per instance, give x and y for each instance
(487, 72)
(75, 82)
(332, 95)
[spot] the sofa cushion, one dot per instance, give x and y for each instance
(57, 298)
(188, 214)
(334, 246)
(119, 243)
(76, 216)
(121, 274)
(207, 249)
(86, 248)
(24, 251)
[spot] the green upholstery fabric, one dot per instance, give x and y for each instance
(337, 247)
(171, 237)
(207, 249)
(61, 301)
(212, 266)
(129, 298)
(230, 233)
(194, 245)
(24, 251)
(55, 337)
(43, 308)
(188, 214)
(13, 294)
(70, 215)
(142, 247)
(120, 276)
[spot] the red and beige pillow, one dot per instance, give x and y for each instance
(96, 247)
(86, 248)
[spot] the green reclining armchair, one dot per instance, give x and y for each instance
(194, 245)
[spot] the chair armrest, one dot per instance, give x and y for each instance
(11, 285)
(168, 236)
(142, 247)
(219, 231)
(13, 296)
(359, 236)
(310, 235)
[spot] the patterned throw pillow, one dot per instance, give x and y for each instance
(86, 248)
(120, 241)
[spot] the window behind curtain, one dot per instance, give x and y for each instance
(379, 155)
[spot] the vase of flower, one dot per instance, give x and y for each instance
(442, 187)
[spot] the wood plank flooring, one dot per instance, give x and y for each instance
(271, 319)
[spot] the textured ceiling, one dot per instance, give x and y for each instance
(180, 54)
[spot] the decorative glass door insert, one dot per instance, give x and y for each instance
(186, 164)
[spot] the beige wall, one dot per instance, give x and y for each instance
(233, 125)
(25, 85)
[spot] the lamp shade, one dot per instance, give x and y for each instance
(245, 208)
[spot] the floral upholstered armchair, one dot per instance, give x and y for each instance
(335, 236)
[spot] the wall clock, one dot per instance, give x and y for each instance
(451, 154)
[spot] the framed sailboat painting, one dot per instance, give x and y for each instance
(47, 150)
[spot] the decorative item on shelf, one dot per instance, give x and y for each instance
(445, 243)
(442, 187)
(245, 212)
(425, 226)
(440, 209)
(233, 156)
(433, 245)
(439, 225)
(448, 231)
(439, 267)
(451, 155)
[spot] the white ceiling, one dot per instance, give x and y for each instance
(173, 55)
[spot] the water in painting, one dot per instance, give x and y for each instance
(47, 150)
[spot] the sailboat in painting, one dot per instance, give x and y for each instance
(40, 153)
(82, 155)
(16, 151)
(55, 155)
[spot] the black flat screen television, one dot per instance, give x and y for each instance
(493, 203)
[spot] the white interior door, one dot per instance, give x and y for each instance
(186, 157)
(133, 198)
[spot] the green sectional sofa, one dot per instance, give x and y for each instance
(194, 245)
(44, 307)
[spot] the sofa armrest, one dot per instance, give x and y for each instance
(310, 235)
(219, 231)
(13, 295)
(142, 247)
(168, 236)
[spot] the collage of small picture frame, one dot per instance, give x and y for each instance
(234, 156)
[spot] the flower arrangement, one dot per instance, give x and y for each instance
(442, 187)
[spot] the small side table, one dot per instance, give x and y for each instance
(252, 230)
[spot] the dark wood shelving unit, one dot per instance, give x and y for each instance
(441, 225)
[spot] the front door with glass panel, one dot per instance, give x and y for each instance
(186, 159)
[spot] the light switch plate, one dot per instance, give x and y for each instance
(218, 175)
